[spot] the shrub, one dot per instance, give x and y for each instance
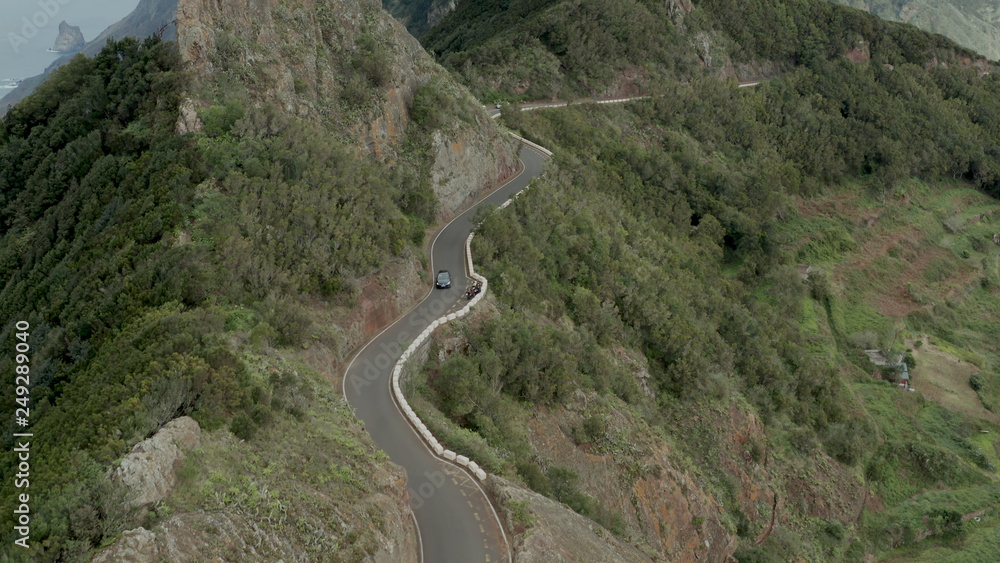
(946, 522)
(835, 530)
(533, 477)
(865, 340)
(594, 428)
(522, 513)
(803, 440)
(977, 381)
(219, 119)
(354, 93)
(372, 61)
(243, 427)
(844, 442)
(290, 322)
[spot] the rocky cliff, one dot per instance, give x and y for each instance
(664, 509)
(149, 470)
(351, 66)
(70, 39)
(420, 16)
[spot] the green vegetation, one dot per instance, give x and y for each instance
(149, 264)
(537, 50)
(672, 228)
(534, 50)
(312, 436)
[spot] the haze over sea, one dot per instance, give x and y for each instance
(22, 56)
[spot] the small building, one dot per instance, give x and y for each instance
(904, 376)
(879, 358)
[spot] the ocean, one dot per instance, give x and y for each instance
(29, 27)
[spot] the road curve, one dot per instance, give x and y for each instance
(456, 521)
(530, 106)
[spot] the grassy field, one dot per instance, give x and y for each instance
(943, 378)
(914, 272)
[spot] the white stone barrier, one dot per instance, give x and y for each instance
(397, 370)
(535, 146)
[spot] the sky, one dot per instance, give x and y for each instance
(29, 27)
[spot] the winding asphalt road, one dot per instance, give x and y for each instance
(455, 519)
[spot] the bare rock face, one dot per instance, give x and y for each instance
(557, 534)
(679, 9)
(482, 164)
(70, 39)
(438, 11)
(149, 469)
(188, 121)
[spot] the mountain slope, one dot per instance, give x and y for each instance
(135, 256)
(683, 302)
(547, 49)
(972, 23)
(523, 50)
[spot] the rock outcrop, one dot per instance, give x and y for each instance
(70, 39)
(188, 120)
(149, 469)
(254, 518)
(438, 11)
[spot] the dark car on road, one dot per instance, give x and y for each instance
(443, 279)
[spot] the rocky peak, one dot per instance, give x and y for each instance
(679, 9)
(70, 39)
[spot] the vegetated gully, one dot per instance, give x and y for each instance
(455, 520)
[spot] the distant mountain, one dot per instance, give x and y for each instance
(419, 15)
(972, 23)
(148, 18)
